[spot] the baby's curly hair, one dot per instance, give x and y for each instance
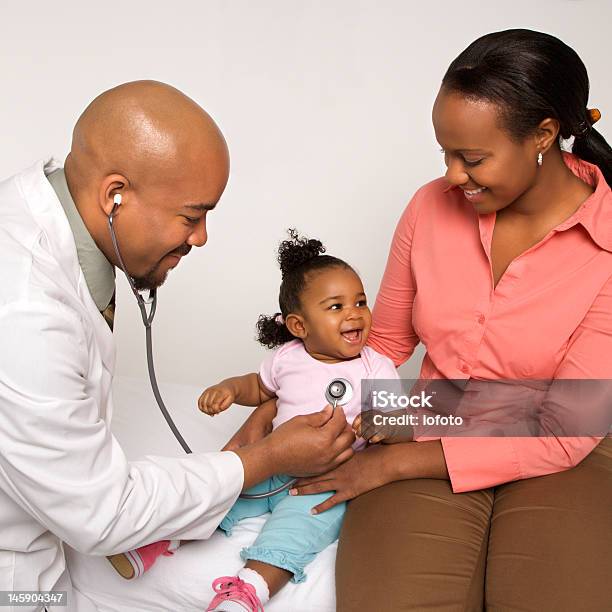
(297, 257)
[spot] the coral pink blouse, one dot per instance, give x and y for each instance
(549, 317)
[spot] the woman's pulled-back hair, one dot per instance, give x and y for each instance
(297, 257)
(532, 76)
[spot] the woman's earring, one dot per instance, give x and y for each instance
(540, 158)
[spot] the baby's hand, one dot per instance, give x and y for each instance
(365, 428)
(216, 399)
(357, 426)
(365, 431)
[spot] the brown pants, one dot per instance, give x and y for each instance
(533, 545)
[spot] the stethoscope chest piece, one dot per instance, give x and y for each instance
(339, 392)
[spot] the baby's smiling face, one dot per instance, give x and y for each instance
(335, 319)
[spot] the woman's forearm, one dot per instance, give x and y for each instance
(376, 466)
(265, 412)
(408, 460)
(261, 418)
(257, 426)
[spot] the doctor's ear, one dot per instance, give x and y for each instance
(295, 324)
(112, 191)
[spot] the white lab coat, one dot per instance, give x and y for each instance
(63, 476)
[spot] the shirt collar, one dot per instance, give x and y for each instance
(595, 213)
(99, 273)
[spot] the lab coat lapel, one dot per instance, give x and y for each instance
(49, 214)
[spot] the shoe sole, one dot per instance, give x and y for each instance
(122, 565)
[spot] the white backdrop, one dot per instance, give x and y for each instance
(326, 109)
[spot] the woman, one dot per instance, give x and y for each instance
(503, 269)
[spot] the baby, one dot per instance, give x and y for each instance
(321, 332)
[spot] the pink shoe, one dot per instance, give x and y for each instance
(135, 563)
(234, 589)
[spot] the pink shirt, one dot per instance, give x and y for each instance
(299, 380)
(549, 317)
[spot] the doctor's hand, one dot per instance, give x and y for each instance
(305, 445)
(216, 399)
(312, 443)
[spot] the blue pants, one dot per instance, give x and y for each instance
(291, 537)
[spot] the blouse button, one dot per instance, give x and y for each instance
(481, 319)
(465, 368)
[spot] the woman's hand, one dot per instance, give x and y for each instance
(255, 428)
(362, 473)
(374, 467)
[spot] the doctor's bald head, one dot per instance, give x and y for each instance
(169, 161)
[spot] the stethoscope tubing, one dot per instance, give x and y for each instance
(147, 319)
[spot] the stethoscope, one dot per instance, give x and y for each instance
(338, 392)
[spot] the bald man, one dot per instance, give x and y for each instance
(63, 476)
